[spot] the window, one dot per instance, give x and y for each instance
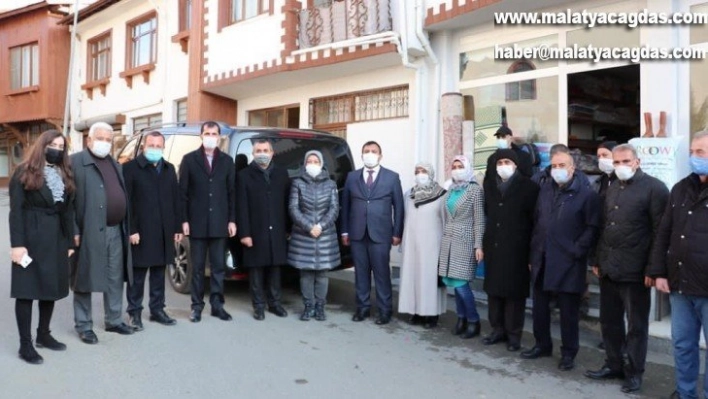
(245, 9)
(288, 116)
(185, 15)
(146, 121)
(24, 66)
(99, 57)
(181, 110)
(521, 90)
(128, 152)
(142, 41)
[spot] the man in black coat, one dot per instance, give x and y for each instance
(262, 209)
(155, 225)
(207, 183)
(633, 208)
(678, 263)
(510, 201)
(505, 140)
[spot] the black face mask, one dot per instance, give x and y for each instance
(54, 156)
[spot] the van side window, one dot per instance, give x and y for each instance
(179, 144)
(244, 154)
(129, 151)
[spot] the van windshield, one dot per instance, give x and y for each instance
(290, 154)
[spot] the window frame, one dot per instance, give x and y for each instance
(34, 69)
(130, 40)
(226, 8)
(91, 55)
(177, 106)
(149, 118)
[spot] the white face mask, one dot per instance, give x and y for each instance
(422, 179)
(605, 165)
(505, 171)
(100, 148)
(459, 174)
(502, 144)
(313, 169)
(624, 172)
(561, 176)
(370, 159)
(210, 142)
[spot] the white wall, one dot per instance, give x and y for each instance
(243, 44)
(168, 82)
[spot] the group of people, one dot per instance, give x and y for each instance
(87, 222)
(538, 233)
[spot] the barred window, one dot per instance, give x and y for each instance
(146, 121)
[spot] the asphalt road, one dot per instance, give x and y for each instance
(285, 357)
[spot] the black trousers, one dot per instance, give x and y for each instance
(616, 300)
(372, 258)
(23, 314)
(569, 306)
(506, 316)
(216, 248)
(135, 292)
(257, 277)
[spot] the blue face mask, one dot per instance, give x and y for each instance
(699, 165)
(561, 176)
(153, 155)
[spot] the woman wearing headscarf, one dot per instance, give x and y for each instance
(461, 247)
(419, 293)
(313, 248)
(41, 230)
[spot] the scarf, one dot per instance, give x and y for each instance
(422, 195)
(55, 183)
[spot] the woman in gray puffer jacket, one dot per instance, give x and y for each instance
(313, 248)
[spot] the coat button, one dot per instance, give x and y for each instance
(101, 229)
(270, 227)
(682, 237)
(209, 209)
(690, 213)
(616, 207)
(680, 263)
(101, 186)
(100, 206)
(210, 194)
(612, 224)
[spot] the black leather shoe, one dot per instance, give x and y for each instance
(535, 353)
(604, 373)
(258, 314)
(221, 314)
(494, 338)
(430, 322)
(30, 355)
(361, 315)
(513, 347)
(278, 310)
(460, 326)
(472, 331)
(632, 384)
(45, 340)
(163, 318)
(566, 364)
(195, 316)
(416, 320)
(88, 337)
(121, 329)
(136, 322)
(384, 318)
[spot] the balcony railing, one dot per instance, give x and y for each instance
(341, 20)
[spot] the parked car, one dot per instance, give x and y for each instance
(290, 146)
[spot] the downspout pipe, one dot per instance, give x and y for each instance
(70, 78)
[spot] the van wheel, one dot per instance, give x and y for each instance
(180, 272)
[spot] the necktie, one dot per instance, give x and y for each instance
(370, 179)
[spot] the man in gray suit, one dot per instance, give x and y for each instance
(103, 260)
(372, 221)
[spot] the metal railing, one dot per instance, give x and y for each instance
(341, 20)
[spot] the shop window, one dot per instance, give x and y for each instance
(482, 63)
(522, 90)
(699, 33)
(602, 36)
(699, 95)
(24, 66)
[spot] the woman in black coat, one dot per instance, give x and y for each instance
(510, 201)
(41, 228)
(314, 247)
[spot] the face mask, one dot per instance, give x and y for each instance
(561, 176)
(422, 179)
(262, 159)
(54, 156)
(459, 174)
(605, 165)
(101, 148)
(370, 159)
(210, 142)
(699, 165)
(624, 172)
(505, 171)
(153, 155)
(502, 144)
(313, 170)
